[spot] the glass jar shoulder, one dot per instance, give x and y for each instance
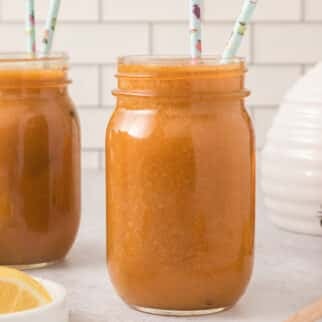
(172, 121)
(20, 109)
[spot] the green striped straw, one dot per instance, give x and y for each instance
(51, 21)
(195, 29)
(239, 29)
(30, 26)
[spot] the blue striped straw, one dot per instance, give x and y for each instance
(195, 28)
(239, 29)
(51, 21)
(30, 26)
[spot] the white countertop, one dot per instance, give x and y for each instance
(287, 275)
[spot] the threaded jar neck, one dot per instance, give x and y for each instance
(180, 77)
(21, 71)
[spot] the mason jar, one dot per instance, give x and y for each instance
(39, 161)
(180, 163)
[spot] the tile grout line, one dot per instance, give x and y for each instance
(276, 65)
(150, 38)
(163, 22)
(94, 107)
(252, 43)
(303, 10)
(100, 85)
(100, 11)
(101, 160)
(91, 150)
(303, 69)
(264, 107)
(95, 64)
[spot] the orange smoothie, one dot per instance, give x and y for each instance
(180, 164)
(39, 162)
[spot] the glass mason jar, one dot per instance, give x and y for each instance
(180, 162)
(39, 161)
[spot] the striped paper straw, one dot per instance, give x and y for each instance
(195, 28)
(239, 29)
(51, 21)
(30, 26)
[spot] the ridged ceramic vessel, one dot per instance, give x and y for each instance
(292, 159)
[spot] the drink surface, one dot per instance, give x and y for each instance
(180, 186)
(39, 166)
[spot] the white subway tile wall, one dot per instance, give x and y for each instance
(267, 10)
(71, 10)
(281, 44)
(173, 38)
(263, 118)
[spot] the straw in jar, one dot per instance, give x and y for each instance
(195, 28)
(239, 29)
(51, 21)
(30, 26)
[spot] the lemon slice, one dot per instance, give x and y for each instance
(20, 292)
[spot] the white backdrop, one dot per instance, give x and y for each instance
(283, 41)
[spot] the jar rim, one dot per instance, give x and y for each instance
(174, 60)
(22, 70)
(23, 60)
(178, 67)
(180, 76)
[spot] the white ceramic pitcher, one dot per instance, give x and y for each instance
(292, 158)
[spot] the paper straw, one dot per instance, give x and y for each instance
(51, 21)
(195, 28)
(239, 29)
(30, 26)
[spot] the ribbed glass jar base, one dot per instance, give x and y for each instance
(179, 312)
